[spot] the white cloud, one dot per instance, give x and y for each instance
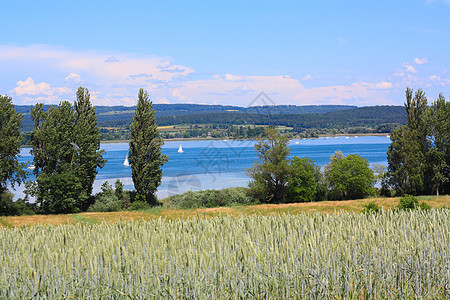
(409, 68)
(72, 77)
(383, 85)
(230, 77)
(444, 1)
(307, 77)
(420, 61)
(39, 92)
(28, 87)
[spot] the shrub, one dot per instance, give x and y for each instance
(139, 205)
(211, 198)
(371, 207)
(411, 202)
(106, 203)
(8, 207)
(106, 200)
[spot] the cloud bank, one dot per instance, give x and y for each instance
(49, 74)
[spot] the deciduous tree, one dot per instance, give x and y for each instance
(86, 140)
(305, 181)
(271, 174)
(10, 121)
(348, 177)
(145, 155)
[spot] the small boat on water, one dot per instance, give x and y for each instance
(31, 167)
(347, 137)
(126, 163)
(180, 150)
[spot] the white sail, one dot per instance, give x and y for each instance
(126, 163)
(180, 150)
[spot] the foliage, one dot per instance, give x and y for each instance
(306, 181)
(438, 156)
(8, 207)
(348, 177)
(271, 174)
(211, 198)
(409, 202)
(119, 189)
(106, 200)
(139, 205)
(145, 155)
(65, 145)
(401, 255)
(86, 140)
(371, 207)
(10, 121)
(419, 155)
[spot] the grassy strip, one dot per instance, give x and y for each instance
(84, 219)
(327, 207)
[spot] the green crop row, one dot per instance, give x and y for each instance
(393, 255)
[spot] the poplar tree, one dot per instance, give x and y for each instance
(145, 155)
(10, 121)
(86, 140)
(408, 150)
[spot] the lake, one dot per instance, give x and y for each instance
(208, 164)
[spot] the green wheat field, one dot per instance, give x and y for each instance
(391, 255)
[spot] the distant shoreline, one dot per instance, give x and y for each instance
(249, 139)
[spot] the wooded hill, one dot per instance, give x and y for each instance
(298, 117)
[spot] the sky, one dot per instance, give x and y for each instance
(225, 52)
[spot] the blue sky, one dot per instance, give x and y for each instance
(225, 52)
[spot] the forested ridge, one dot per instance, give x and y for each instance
(298, 117)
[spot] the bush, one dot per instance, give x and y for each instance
(106, 200)
(371, 207)
(411, 202)
(106, 203)
(139, 205)
(211, 198)
(8, 207)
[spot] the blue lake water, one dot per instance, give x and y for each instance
(220, 164)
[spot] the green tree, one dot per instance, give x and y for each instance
(438, 155)
(54, 159)
(408, 150)
(10, 121)
(145, 155)
(348, 177)
(305, 180)
(86, 137)
(65, 144)
(271, 174)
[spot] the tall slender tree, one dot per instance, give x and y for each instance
(86, 141)
(407, 152)
(10, 121)
(145, 155)
(438, 155)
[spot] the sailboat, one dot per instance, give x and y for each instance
(180, 150)
(126, 163)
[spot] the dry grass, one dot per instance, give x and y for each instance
(263, 209)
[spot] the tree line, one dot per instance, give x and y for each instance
(65, 144)
(66, 148)
(418, 162)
